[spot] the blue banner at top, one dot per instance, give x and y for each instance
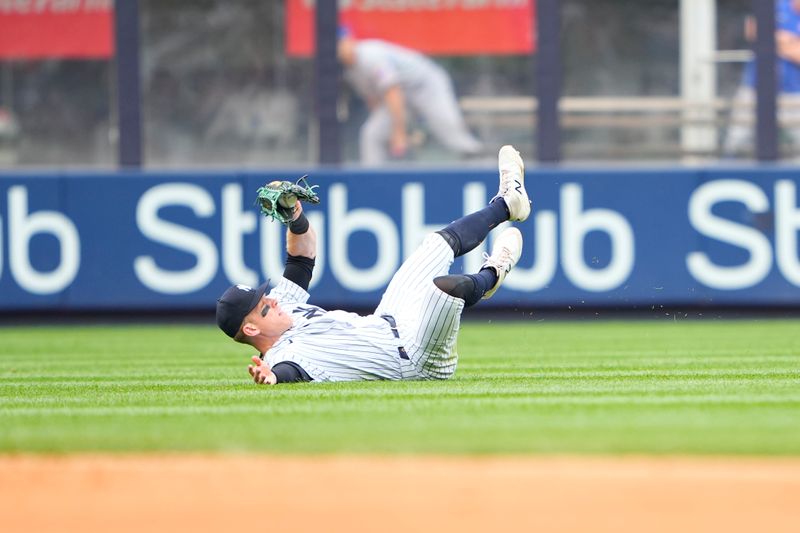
(616, 238)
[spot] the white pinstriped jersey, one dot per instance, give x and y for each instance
(342, 346)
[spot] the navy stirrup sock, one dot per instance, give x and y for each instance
(468, 232)
(469, 287)
(484, 281)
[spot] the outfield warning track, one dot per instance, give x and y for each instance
(199, 493)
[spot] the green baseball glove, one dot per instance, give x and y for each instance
(277, 199)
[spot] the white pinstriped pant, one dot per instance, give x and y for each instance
(427, 318)
(436, 103)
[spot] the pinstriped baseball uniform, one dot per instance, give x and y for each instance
(342, 346)
(427, 89)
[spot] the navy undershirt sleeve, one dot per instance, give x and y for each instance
(289, 372)
(299, 270)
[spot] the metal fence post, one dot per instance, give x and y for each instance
(766, 95)
(326, 82)
(129, 109)
(548, 80)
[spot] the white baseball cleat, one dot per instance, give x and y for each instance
(505, 254)
(512, 183)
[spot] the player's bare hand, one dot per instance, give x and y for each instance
(398, 145)
(261, 373)
(298, 210)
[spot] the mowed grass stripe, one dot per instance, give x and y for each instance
(527, 387)
(709, 399)
(68, 378)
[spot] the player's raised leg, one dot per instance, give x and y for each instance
(510, 203)
(433, 259)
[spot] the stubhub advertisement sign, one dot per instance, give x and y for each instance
(617, 238)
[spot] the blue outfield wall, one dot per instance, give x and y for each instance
(610, 238)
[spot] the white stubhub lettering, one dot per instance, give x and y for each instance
(343, 223)
(787, 222)
(756, 243)
(576, 224)
(176, 236)
(22, 226)
(235, 224)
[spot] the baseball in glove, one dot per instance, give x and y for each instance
(277, 199)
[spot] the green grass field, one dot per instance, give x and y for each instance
(656, 387)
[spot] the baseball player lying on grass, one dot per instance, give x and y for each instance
(412, 333)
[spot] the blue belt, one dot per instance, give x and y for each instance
(402, 351)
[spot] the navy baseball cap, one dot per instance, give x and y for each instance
(235, 304)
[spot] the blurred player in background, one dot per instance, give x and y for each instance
(787, 41)
(394, 80)
(412, 333)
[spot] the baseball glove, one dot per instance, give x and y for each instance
(277, 199)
